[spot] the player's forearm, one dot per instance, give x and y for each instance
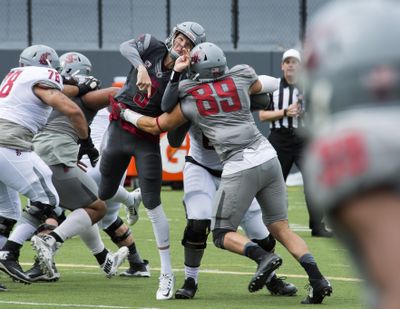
(271, 115)
(144, 123)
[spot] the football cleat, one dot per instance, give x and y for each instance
(267, 265)
(137, 270)
(36, 273)
(188, 289)
(166, 287)
(318, 290)
(132, 215)
(10, 265)
(277, 286)
(45, 247)
(113, 261)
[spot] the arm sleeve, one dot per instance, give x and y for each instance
(170, 97)
(260, 101)
(177, 136)
(269, 83)
(133, 49)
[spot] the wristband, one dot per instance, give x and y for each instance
(285, 112)
(132, 117)
(175, 76)
(158, 125)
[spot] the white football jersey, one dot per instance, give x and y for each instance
(201, 150)
(19, 104)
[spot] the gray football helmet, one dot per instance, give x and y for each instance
(350, 61)
(73, 63)
(39, 55)
(193, 31)
(208, 62)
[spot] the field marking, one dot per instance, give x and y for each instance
(69, 305)
(208, 271)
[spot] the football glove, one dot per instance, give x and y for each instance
(89, 84)
(87, 148)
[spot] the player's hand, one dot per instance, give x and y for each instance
(87, 148)
(143, 81)
(88, 84)
(183, 61)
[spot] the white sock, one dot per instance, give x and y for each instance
(122, 196)
(22, 232)
(161, 233)
(92, 239)
(192, 272)
(76, 223)
(165, 261)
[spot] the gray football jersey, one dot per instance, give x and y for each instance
(221, 108)
(360, 151)
(56, 143)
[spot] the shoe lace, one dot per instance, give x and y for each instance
(165, 281)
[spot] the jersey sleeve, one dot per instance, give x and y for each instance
(244, 71)
(49, 79)
(134, 49)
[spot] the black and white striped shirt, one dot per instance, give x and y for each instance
(281, 99)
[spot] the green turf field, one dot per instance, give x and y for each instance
(223, 282)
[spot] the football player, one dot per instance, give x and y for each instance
(353, 166)
(28, 94)
(152, 62)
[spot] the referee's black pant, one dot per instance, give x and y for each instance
(290, 149)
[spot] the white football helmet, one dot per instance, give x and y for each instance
(73, 63)
(40, 56)
(350, 61)
(208, 62)
(193, 31)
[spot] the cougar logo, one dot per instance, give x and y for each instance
(70, 58)
(44, 57)
(196, 57)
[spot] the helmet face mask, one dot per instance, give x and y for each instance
(208, 62)
(73, 64)
(40, 56)
(193, 31)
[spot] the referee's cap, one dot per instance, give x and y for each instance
(294, 53)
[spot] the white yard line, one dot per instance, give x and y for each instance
(209, 271)
(69, 305)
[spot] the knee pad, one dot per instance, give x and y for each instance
(196, 234)
(267, 243)
(40, 211)
(6, 226)
(218, 237)
(115, 226)
(45, 227)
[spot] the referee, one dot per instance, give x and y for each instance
(285, 117)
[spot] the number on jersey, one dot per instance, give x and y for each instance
(226, 99)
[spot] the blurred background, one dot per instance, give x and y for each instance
(249, 31)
